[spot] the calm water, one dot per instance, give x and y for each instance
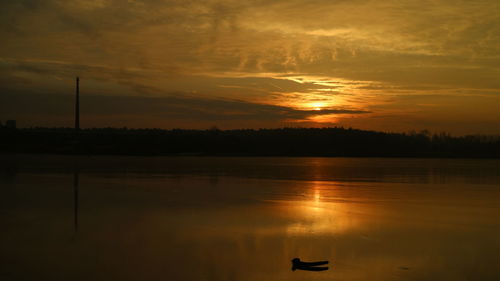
(186, 218)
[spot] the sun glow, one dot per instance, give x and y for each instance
(317, 106)
(324, 118)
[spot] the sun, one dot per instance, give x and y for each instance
(318, 106)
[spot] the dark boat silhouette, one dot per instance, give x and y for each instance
(310, 266)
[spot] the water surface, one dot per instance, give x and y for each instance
(189, 218)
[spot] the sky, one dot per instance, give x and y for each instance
(392, 65)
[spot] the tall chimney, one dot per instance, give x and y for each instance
(77, 105)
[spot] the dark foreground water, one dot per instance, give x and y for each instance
(182, 218)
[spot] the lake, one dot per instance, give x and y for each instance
(204, 218)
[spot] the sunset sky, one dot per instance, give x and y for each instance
(387, 65)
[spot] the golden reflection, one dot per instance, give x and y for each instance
(323, 212)
(317, 196)
(315, 202)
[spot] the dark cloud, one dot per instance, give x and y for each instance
(178, 107)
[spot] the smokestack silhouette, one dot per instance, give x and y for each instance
(77, 105)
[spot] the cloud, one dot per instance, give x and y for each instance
(175, 107)
(351, 39)
(352, 54)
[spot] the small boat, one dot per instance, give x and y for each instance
(310, 266)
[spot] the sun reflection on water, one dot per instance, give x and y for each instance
(321, 212)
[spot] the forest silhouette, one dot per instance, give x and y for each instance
(335, 142)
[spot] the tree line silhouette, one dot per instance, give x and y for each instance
(336, 141)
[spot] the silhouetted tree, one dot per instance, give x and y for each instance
(336, 141)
